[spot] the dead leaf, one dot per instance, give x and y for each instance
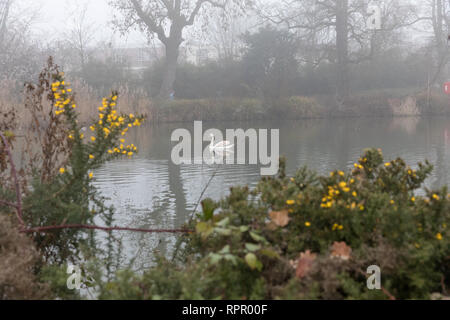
(280, 218)
(341, 250)
(305, 264)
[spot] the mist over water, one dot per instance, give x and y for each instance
(148, 191)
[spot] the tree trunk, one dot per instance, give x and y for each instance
(438, 12)
(170, 68)
(342, 78)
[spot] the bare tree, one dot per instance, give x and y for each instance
(18, 50)
(440, 21)
(83, 32)
(336, 30)
(166, 19)
(4, 13)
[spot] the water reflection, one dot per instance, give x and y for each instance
(149, 191)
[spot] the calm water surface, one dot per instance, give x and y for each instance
(149, 191)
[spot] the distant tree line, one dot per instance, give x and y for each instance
(301, 47)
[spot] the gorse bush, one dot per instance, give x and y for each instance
(59, 199)
(314, 237)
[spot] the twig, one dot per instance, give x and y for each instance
(202, 194)
(8, 204)
(177, 245)
(106, 229)
(18, 205)
(385, 291)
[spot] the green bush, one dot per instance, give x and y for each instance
(59, 201)
(311, 237)
(234, 109)
(297, 108)
(208, 110)
(435, 104)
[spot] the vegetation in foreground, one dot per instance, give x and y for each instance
(311, 237)
(300, 237)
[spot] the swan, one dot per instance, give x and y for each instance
(223, 145)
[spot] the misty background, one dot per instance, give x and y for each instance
(195, 49)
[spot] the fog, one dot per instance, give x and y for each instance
(240, 49)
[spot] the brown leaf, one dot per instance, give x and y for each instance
(280, 218)
(305, 264)
(341, 250)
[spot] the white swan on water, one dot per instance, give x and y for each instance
(223, 145)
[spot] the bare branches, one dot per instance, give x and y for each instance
(149, 21)
(106, 229)
(18, 205)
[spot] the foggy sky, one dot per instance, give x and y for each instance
(55, 18)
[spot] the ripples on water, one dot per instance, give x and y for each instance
(148, 191)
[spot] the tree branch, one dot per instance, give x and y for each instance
(149, 22)
(18, 205)
(106, 229)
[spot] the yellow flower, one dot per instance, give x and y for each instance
(91, 156)
(308, 224)
(91, 175)
(354, 194)
(341, 173)
(387, 164)
(392, 202)
(342, 184)
(290, 202)
(413, 199)
(92, 128)
(62, 170)
(439, 236)
(82, 136)
(93, 139)
(114, 98)
(361, 208)
(130, 154)
(436, 197)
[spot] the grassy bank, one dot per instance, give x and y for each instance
(374, 103)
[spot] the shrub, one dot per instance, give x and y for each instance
(59, 199)
(436, 104)
(208, 110)
(297, 108)
(18, 257)
(312, 237)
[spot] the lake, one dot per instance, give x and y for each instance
(149, 191)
